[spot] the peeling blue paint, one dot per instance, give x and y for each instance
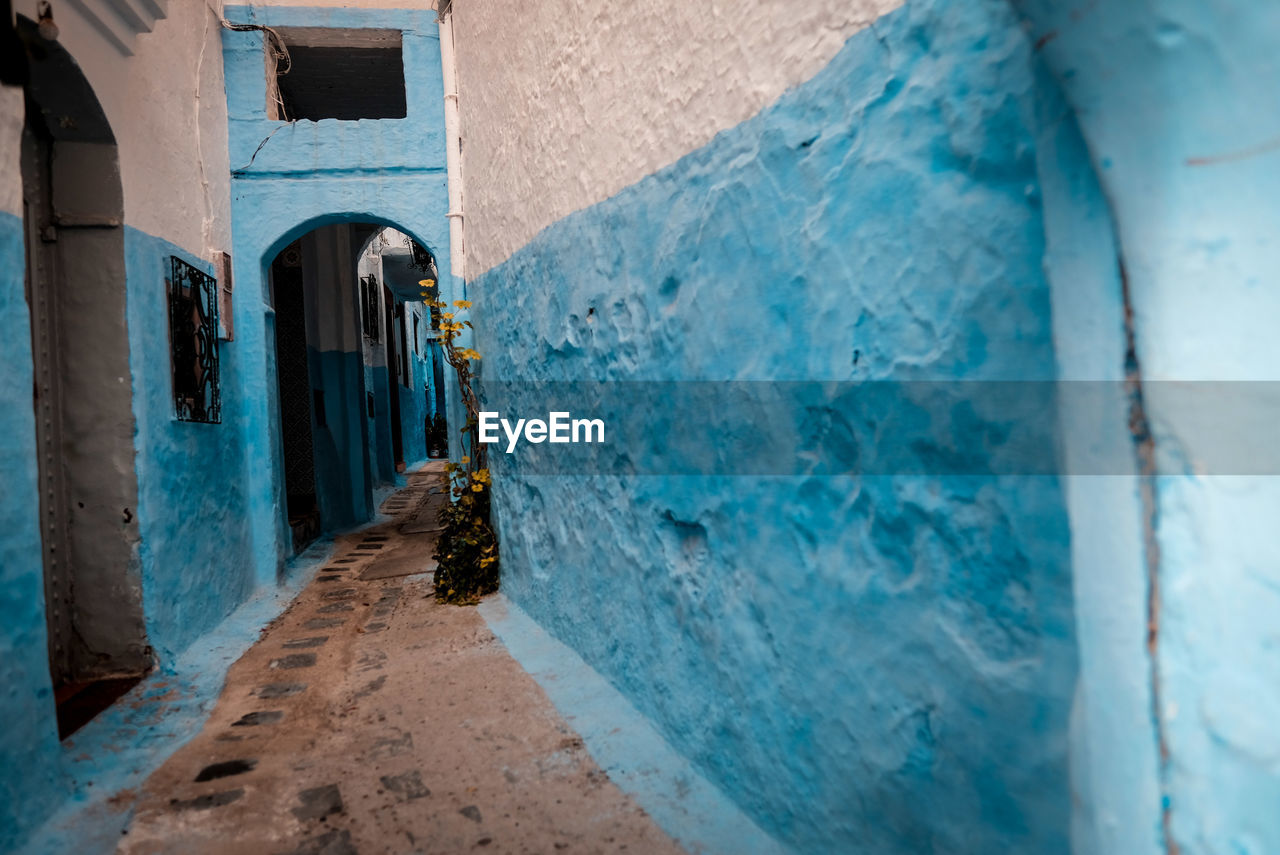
(873, 664)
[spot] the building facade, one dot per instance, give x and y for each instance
(153, 482)
(214, 219)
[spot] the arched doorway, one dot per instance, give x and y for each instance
(75, 288)
(353, 386)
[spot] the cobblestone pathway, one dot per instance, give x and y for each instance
(370, 719)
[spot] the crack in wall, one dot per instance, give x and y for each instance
(1145, 452)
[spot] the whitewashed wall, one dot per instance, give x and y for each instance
(10, 150)
(347, 4)
(167, 109)
(565, 102)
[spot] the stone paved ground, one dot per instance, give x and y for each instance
(370, 719)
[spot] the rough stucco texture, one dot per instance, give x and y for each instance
(591, 97)
(192, 503)
(1114, 746)
(879, 665)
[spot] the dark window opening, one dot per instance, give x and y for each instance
(404, 351)
(342, 74)
(369, 305)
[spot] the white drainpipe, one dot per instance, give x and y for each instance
(453, 148)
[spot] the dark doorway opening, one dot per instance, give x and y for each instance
(73, 212)
(395, 371)
(300, 402)
(80, 703)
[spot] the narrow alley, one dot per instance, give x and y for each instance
(843, 427)
(368, 718)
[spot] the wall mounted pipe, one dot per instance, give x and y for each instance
(453, 147)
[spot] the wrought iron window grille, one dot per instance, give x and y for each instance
(193, 342)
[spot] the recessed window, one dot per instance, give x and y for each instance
(340, 74)
(370, 299)
(193, 343)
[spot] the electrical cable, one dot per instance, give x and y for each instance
(279, 51)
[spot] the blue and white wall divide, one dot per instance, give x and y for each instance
(892, 192)
(193, 555)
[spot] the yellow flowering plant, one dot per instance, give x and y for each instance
(467, 550)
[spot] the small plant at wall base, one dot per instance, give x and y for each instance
(467, 551)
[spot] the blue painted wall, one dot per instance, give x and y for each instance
(308, 174)
(377, 380)
(1177, 110)
(343, 484)
(1114, 748)
(29, 740)
(193, 508)
(413, 403)
(416, 393)
(415, 406)
(865, 664)
(208, 512)
(195, 548)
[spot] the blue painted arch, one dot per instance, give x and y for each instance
(269, 215)
(306, 227)
(303, 175)
(347, 489)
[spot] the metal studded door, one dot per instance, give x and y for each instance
(41, 274)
